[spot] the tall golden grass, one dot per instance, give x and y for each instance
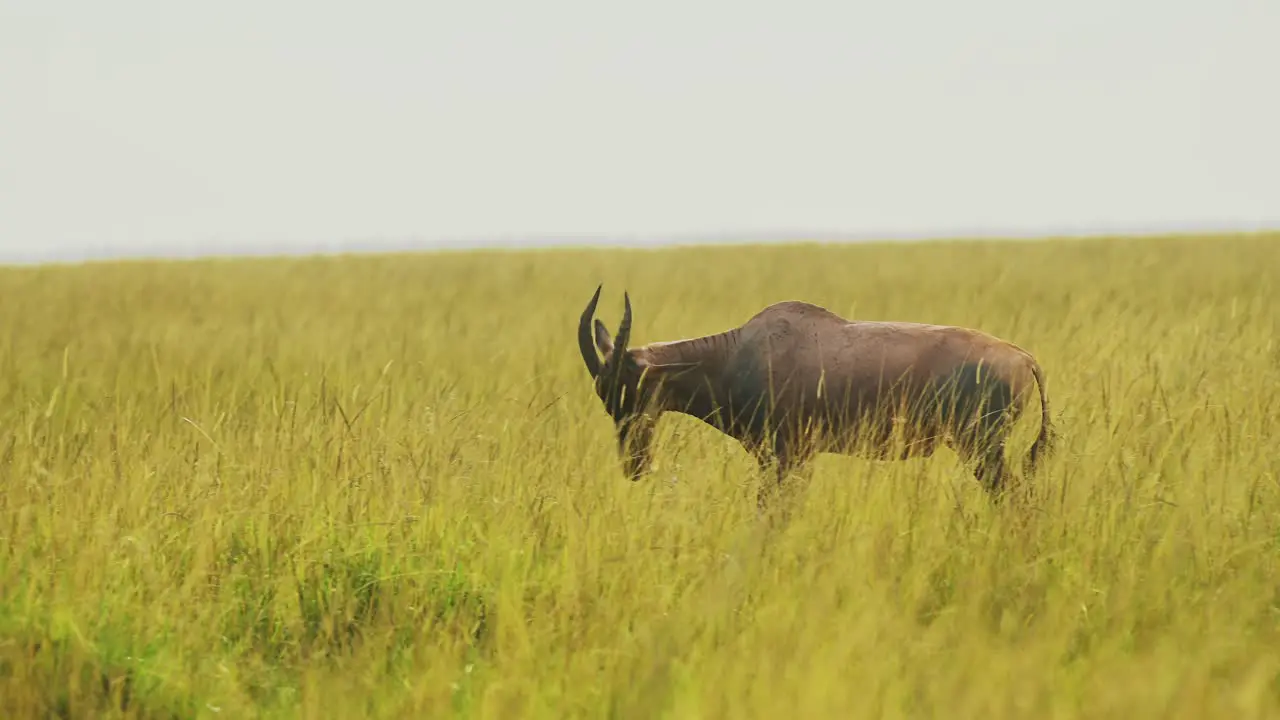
(383, 487)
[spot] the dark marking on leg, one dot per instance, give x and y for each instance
(991, 471)
(974, 403)
(789, 455)
(771, 472)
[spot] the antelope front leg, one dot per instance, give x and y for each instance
(769, 466)
(783, 461)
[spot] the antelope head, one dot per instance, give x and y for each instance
(617, 380)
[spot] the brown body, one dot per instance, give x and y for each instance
(797, 379)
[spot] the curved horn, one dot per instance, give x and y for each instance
(584, 335)
(624, 329)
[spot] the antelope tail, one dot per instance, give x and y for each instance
(1045, 440)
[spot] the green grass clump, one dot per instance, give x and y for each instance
(383, 487)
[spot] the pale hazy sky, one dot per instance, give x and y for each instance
(146, 124)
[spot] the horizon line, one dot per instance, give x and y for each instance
(536, 242)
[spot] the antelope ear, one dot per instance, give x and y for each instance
(604, 341)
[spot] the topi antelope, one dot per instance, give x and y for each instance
(797, 379)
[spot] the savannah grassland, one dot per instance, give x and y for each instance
(382, 487)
